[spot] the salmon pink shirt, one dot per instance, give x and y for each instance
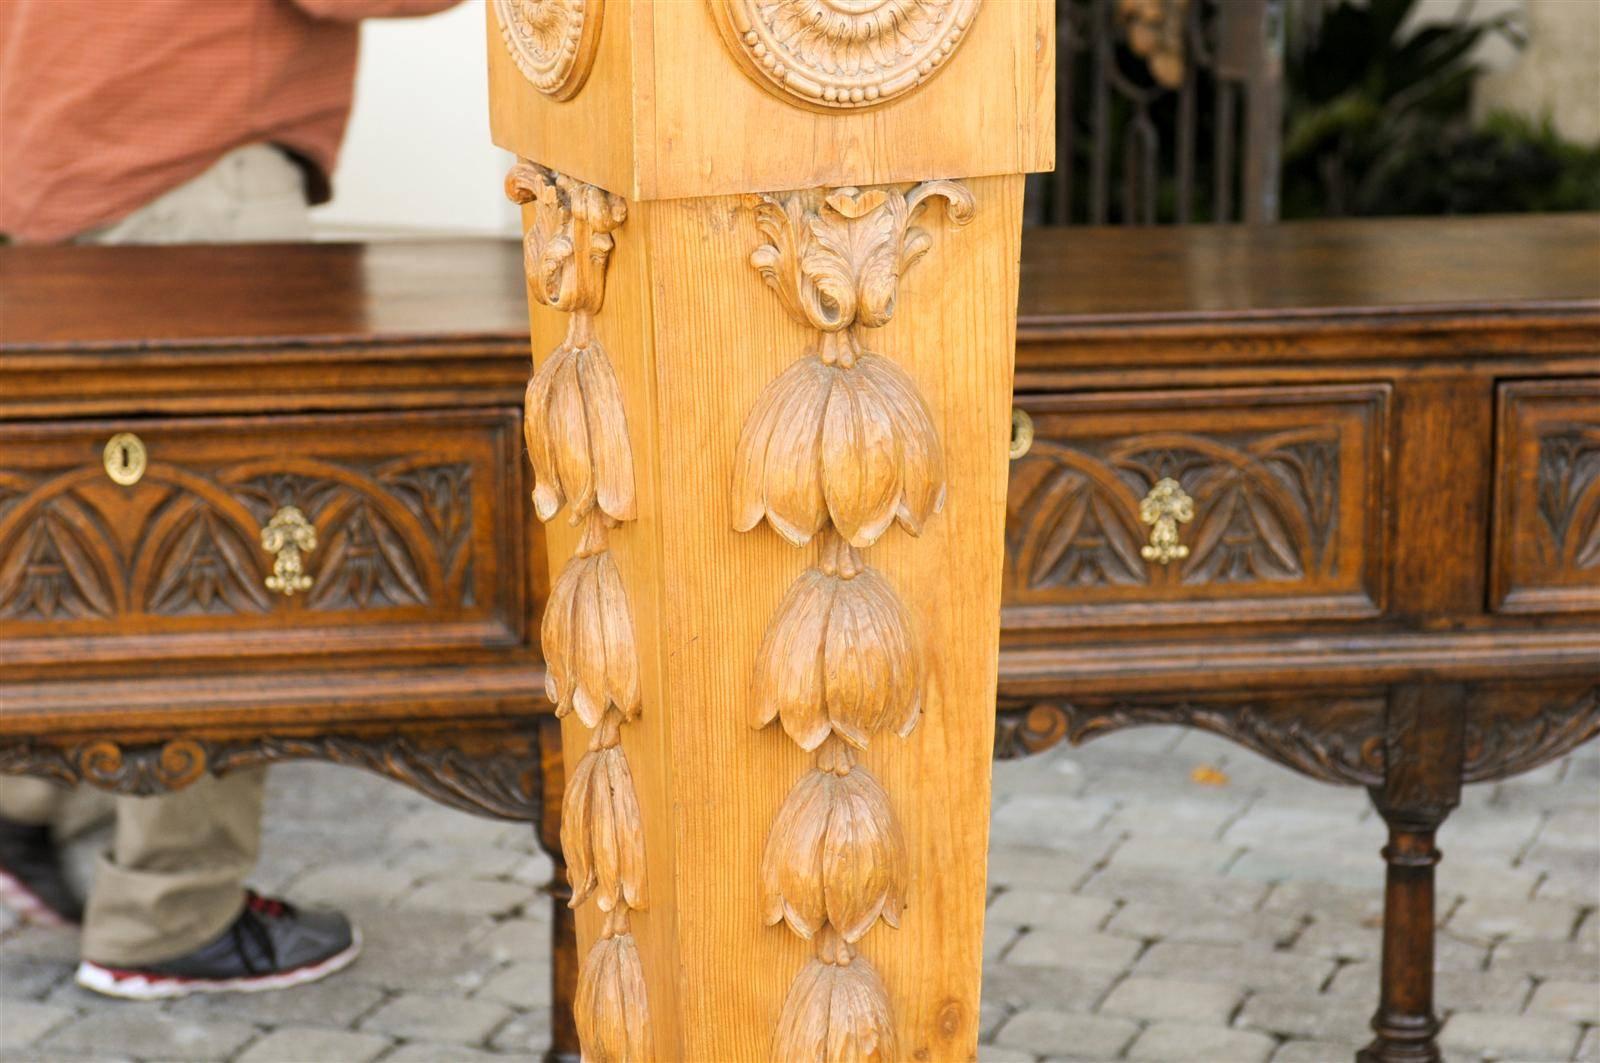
(107, 104)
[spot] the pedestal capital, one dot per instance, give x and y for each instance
(714, 97)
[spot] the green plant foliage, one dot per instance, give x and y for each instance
(1378, 121)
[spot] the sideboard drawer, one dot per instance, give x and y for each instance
(1546, 556)
(1273, 498)
(206, 538)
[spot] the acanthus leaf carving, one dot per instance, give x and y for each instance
(1336, 739)
(487, 774)
(568, 243)
(1500, 744)
(835, 257)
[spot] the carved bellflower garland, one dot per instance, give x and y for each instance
(839, 447)
(577, 435)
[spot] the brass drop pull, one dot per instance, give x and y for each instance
(1021, 433)
(288, 536)
(125, 458)
(1164, 508)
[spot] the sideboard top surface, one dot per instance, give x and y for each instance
(95, 299)
(1076, 277)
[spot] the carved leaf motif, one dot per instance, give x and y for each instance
(568, 242)
(836, 1010)
(1077, 535)
(1504, 743)
(835, 258)
(602, 834)
(1240, 536)
(1569, 495)
(441, 498)
(839, 657)
(835, 856)
(1334, 739)
(209, 569)
(367, 563)
(577, 435)
(612, 1011)
(590, 658)
(852, 446)
(53, 571)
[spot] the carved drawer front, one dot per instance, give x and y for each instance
(1546, 555)
(1199, 506)
(284, 535)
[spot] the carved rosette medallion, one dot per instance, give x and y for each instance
(553, 42)
(842, 54)
(577, 436)
(840, 447)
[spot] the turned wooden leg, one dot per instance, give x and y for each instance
(1422, 783)
(563, 927)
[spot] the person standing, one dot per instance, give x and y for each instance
(174, 121)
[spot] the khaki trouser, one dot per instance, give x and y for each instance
(174, 877)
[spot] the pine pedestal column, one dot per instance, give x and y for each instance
(772, 258)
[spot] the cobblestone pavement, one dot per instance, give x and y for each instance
(1136, 914)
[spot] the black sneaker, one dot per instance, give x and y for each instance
(32, 883)
(270, 946)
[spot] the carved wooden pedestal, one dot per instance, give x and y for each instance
(772, 254)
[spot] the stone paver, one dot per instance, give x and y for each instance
(426, 1017)
(1316, 1052)
(1182, 1042)
(1042, 908)
(1076, 950)
(145, 1034)
(1493, 918)
(1070, 1036)
(1171, 998)
(23, 1022)
(1509, 1037)
(1134, 915)
(1256, 968)
(1578, 1001)
(303, 1044)
(1308, 1016)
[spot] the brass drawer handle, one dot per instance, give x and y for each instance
(125, 458)
(289, 536)
(1021, 433)
(1164, 508)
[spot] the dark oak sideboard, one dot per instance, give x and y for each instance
(1331, 490)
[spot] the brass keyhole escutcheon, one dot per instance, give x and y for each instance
(1021, 433)
(288, 536)
(1164, 508)
(125, 458)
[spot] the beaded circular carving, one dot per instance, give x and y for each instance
(552, 41)
(834, 55)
